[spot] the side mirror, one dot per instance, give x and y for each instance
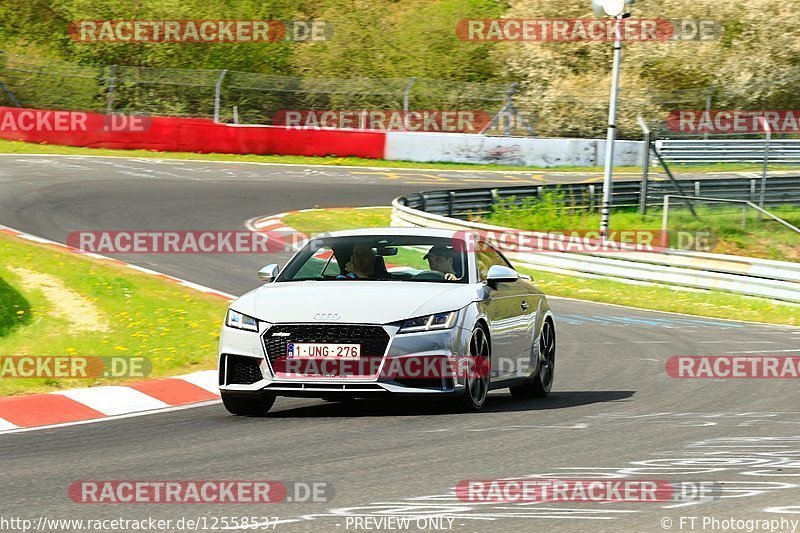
(500, 274)
(269, 273)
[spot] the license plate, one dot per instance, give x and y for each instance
(298, 350)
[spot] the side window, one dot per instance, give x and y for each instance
(332, 267)
(321, 264)
(487, 257)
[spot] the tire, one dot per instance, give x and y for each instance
(255, 405)
(542, 382)
(477, 378)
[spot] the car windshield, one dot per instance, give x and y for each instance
(379, 258)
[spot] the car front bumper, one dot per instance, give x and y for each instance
(423, 363)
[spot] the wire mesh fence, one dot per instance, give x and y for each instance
(253, 98)
(759, 150)
(230, 96)
(51, 84)
(734, 227)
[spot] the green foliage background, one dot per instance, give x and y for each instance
(372, 38)
(755, 65)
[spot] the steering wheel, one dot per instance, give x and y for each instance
(429, 275)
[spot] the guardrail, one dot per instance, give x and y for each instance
(785, 151)
(777, 280)
(465, 202)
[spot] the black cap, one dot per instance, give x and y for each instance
(440, 250)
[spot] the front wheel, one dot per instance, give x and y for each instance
(255, 405)
(543, 380)
(478, 370)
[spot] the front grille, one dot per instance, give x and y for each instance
(373, 339)
(243, 370)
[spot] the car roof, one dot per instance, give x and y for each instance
(411, 232)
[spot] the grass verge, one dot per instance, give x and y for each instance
(319, 221)
(652, 297)
(58, 303)
(19, 147)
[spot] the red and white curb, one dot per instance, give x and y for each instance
(274, 223)
(56, 409)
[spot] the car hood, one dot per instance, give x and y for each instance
(368, 302)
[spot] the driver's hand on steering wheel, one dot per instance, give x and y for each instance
(450, 276)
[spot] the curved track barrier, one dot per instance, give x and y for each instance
(466, 202)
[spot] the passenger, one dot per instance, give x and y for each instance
(361, 264)
(440, 258)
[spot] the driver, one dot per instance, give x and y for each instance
(361, 264)
(440, 258)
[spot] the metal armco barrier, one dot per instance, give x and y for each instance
(728, 151)
(465, 202)
(777, 280)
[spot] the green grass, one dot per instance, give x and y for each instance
(723, 225)
(652, 297)
(662, 298)
(319, 221)
(19, 147)
(175, 327)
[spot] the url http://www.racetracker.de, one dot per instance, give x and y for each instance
(198, 523)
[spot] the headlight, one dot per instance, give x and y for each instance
(429, 323)
(237, 320)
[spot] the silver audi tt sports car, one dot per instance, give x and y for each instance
(388, 311)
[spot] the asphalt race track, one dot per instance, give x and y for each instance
(614, 411)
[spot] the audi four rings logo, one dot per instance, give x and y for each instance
(327, 316)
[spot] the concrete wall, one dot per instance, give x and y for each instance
(545, 152)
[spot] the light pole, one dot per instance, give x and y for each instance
(616, 9)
